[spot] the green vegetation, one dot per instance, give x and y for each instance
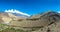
(6, 28)
(12, 30)
(3, 26)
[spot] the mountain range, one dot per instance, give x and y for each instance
(34, 23)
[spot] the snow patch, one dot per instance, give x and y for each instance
(16, 11)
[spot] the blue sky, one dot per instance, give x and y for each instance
(30, 6)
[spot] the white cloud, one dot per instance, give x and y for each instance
(12, 11)
(16, 11)
(58, 11)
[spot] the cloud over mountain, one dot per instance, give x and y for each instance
(16, 11)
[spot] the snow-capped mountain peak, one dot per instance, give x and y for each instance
(16, 11)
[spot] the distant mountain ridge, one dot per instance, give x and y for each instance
(41, 20)
(53, 18)
(7, 17)
(34, 23)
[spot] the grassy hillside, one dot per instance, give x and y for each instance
(12, 30)
(6, 28)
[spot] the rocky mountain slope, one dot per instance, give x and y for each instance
(37, 21)
(46, 22)
(53, 19)
(7, 17)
